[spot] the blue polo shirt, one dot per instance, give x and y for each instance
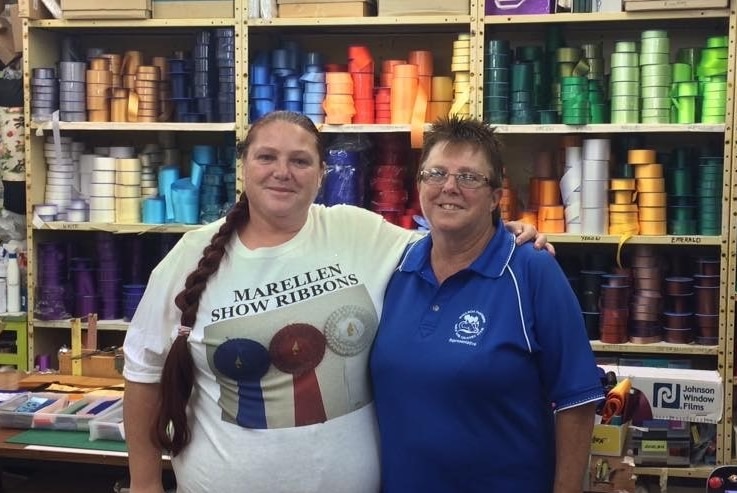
(466, 374)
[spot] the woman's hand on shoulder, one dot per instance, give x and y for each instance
(526, 232)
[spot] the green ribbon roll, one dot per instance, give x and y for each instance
(685, 109)
(625, 116)
(655, 45)
(681, 72)
(717, 42)
(625, 46)
(687, 89)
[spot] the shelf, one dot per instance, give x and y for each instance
(610, 128)
(115, 228)
(412, 20)
(656, 348)
(365, 128)
(607, 17)
(113, 325)
(153, 127)
(130, 23)
(637, 239)
(676, 472)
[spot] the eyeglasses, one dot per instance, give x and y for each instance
(467, 179)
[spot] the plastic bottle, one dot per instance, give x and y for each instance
(13, 281)
(3, 287)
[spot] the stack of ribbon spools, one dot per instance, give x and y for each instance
(712, 75)
(313, 83)
(678, 317)
(361, 68)
(706, 286)
(647, 301)
(589, 291)
(72, 99)
(44, 93)
(388, 191)
(570, 182)
(496, 81)
(614, 302)
(680, 189)
(625, 83)
(461, 69)
(655, 77)
(594, 186)
(51, 291)
(339, 105)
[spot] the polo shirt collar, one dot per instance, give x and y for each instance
(491, 263)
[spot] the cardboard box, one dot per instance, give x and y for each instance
(609, 440)
(98, 365)
(331, 9)
(193, 9)
(518, 7)
(677, 394)
(16, 27)
(109, 9)
(398, 8)
(642, 5)
(32, 9)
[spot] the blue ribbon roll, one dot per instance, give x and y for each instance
(316, 88)
(186, 201)
(292, 81)
(263, 91)
(280, 59)
(293, 94)
(204, 154)
(343, 179)
(260, 75)
(314, 77)
(295, 106)
(313, 98)
(312, 58)
(167, 176)
(154, 210)
(313, 108)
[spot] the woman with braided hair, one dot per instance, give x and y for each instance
(247, 356)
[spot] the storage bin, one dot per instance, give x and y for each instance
(109, 426)
(22, 411)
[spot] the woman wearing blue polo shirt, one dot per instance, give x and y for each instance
(484, 378)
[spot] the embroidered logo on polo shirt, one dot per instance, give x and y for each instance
(469, 326)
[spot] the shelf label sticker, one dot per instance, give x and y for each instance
(659, 447)
(70, 225)
(686, 240)
(594, 238)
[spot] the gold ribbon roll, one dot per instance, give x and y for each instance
(641, 156)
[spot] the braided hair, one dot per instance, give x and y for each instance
(171, 431)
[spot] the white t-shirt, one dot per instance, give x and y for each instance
(281, 401)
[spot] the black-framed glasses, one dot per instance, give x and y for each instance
(466, 179)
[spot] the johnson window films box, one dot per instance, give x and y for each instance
(677, 394)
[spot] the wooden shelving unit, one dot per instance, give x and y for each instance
(333, 36)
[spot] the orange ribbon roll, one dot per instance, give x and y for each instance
(441, 88)
(423, 60)
(551, 219)
(616, 400)
(363, 85)
(339, 109)
(339, 83)
(529, 217)
(404, 93)
(549, 191)
(360, 60)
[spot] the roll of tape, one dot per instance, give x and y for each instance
(102, 189)
(625, 60)
(626, 89)
(128, 178)
(127, 191)
(596, 150)
(641, 156)
(625, 46)
(625, 103)
(652, 199)
(568, 55)
(652, 213)
(653, 228)
(654, 59)
(656, 104)
(617, 184)
(648, 185)
(623, 196)
(103, 164)
(623, 209)
(625, 74)
(594, 194)
(651, 170)
(655, 45)
(102, 215)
